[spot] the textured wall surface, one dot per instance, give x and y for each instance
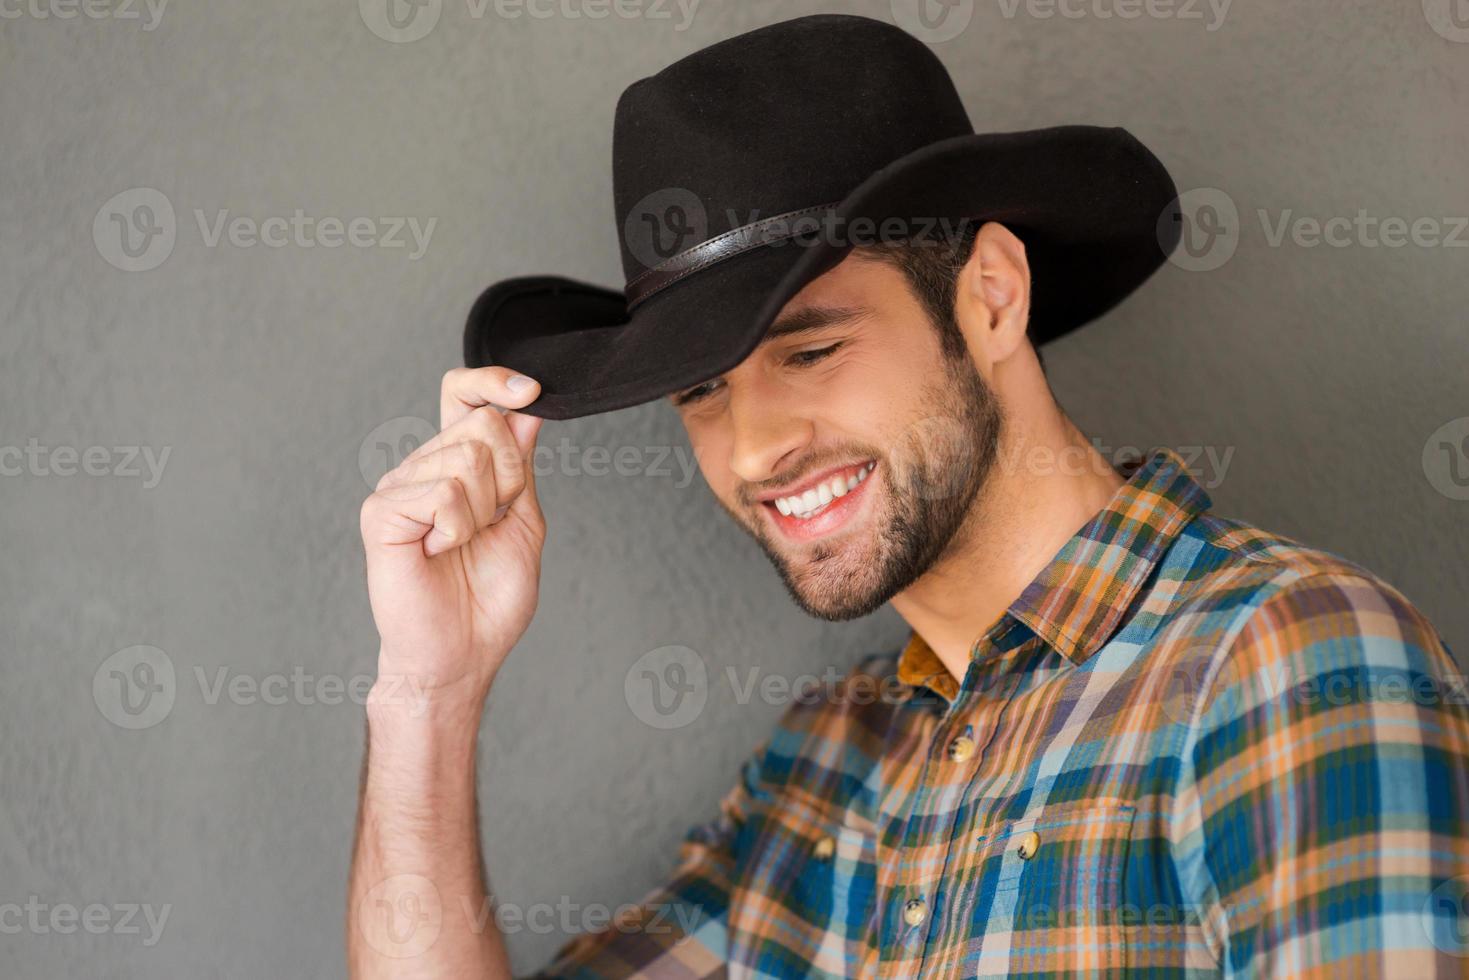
(273, 377)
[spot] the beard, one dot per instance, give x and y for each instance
(930, 482)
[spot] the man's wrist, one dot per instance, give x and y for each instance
(400, 715)
(403, 682)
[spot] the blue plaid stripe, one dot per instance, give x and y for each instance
(1199, 750)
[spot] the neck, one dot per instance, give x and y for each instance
(1048, 481)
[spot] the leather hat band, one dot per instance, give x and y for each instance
(736, 241)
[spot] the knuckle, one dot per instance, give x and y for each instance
(447, 494)
(390, 478)
(488, 421)
(367, 514)
(509, 476)
(477, 457)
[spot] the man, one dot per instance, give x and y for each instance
(1125, 735)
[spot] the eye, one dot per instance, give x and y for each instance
(805, 357)
(691, 395)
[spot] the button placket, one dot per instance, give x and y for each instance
(950, 770)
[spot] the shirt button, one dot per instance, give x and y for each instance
(915, 911)
(961, 748)
(824, 848)
(1028, 845)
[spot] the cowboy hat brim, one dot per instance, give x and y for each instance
(1096, 210)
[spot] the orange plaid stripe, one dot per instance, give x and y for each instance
(1189, 749)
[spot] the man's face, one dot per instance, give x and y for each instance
(847, 444)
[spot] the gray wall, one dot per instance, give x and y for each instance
(266, 372)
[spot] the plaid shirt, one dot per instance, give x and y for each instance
(1190, 748)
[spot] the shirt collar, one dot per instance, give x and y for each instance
(1078, 600)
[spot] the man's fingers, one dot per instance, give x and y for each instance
(488, 486)
(486, 425)
(437, 514)
(465, 389)
(489, 454)
(472, 474)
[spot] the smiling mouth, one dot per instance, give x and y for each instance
(814, 500)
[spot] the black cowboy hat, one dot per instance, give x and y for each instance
(749, 168)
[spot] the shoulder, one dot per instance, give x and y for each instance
(1240, 619)
(1253, 585)
(1287, 619)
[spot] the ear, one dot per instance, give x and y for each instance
(992, 301)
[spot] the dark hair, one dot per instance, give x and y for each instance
(932, 265)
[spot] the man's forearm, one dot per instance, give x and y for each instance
(417, 899)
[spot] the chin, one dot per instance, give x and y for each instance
(835, 586)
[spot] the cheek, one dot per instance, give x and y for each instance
(711, 456)
(877, 370)
(869, 401)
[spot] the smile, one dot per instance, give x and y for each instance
(809, 504)
(824, 505)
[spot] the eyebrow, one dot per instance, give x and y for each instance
(810, 320)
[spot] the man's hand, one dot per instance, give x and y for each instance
(453, 538)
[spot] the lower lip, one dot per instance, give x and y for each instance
(837, 513)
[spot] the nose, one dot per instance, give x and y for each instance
(767, 434)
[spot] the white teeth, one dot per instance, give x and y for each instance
(803, 504)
